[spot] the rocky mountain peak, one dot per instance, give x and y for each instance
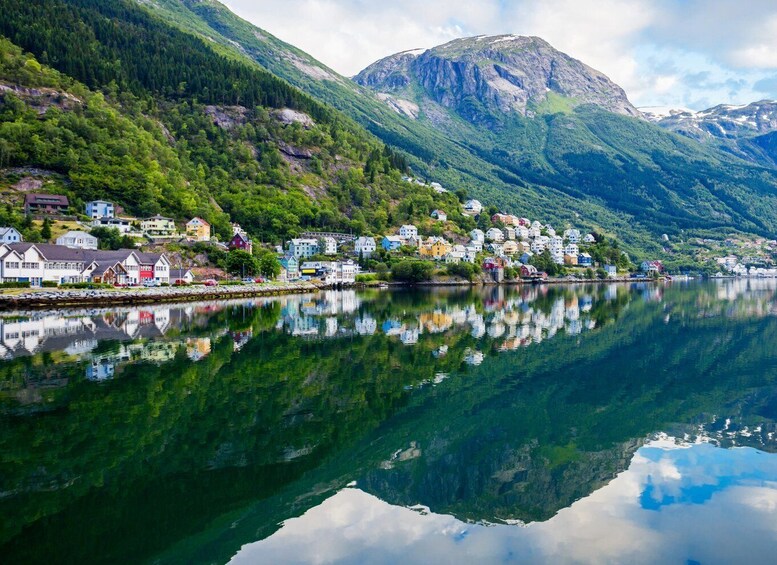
(485, 77)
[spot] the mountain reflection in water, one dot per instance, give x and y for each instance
(181, 433)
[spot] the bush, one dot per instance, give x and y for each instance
(412, 271)
(15, 285)
(463, 270)
(366, 278)
(49, 284)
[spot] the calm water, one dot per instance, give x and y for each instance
(588, 424)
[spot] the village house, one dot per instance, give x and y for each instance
(364, 246)
(523, 247)
(45, 204)
(496, 248)
(526, 257)
(197, 229)
(328, 245)
(522, 232)
(652, 267)
(570, 259)
(537, 246)
(584, 260)
(97, 209)
(572, 249)
(456, 254)
(535, 232)
(181, 276)
(509, 247)
(435, 247)
(290, 265)
(10, 235)
(77, 240)
(477, 235)
(473, 207)
(240, 240)
(440, 215)
(477, 245)
(124, 225)
(471, 253)
(589, 238)
(572, 235)
(611, 270)
(407, 231)
(391, 242)
(509, 233)
(158, 226)
(495, 234)
(303, 248)
(331, 272)
(549, 230)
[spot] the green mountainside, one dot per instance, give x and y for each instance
(563, 160)
(192, 101)
(114, 103)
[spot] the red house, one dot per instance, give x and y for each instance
(240, 241)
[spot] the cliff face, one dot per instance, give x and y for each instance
(482, 78)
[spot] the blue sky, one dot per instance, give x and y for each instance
(678, 53)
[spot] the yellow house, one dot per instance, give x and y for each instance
(435, 247)
(197, 229)
(509, 247)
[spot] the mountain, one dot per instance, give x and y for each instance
(485, 78)
(548, 138)
(724, 121)
(748, 131)
(566, 160)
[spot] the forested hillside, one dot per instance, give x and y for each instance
(563, 162)
(159, 121)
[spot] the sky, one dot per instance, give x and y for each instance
(677, 53)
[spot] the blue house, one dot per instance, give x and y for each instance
(291, 264)
(391, 242)
(10, 235)
(99, 209)
(584, 260)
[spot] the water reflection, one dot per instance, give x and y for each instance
(676, 503)
(186, 431)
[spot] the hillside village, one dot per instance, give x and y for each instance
(110, 247)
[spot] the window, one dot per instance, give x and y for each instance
(27, 265)
(12, 265)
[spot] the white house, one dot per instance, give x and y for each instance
(100, 209)
(510, 232)
(77, 240)
(470, 253)
(549, 229)
(495, 234)
(572, 249)
(124, 225)
(589, 238)
(10, 235)
(364, 246)
(477, 235)
(537, 246)
(407, 231)
(572, 235)
(473, 207)
(302, 248)
(440, 215)
(556, 245)
(522, 233)
(328, 245)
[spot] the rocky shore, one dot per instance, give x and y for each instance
(130, 296)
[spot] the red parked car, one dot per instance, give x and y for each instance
(210, 282)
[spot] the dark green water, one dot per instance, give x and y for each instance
(610, 423)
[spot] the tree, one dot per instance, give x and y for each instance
(269, 266)
(381, 271)
(239, 262)
(412, 271)
(45, 230)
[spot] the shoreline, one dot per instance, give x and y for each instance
(52, 298)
